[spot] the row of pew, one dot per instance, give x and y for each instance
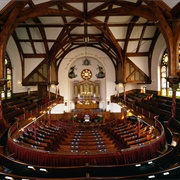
(87, 141)
(160, 108)
(15, 107)
(158, 105)
(43, 137)
(131, 135)
(137, 97)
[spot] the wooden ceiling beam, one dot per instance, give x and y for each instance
(176, 11)
(128, 33)
(141, 38)
(80, 25)
(141, 11)
(34, 55)
(136, 54)
(41, 29)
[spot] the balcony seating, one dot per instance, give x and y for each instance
(31, 107)
(140, 140)
(9, 109)
(10, 117)
(27, 145)
(33, 142)
(31, 136)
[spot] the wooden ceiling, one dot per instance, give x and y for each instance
(49, 30)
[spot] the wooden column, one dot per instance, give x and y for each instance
(174, 84)
(124, 86)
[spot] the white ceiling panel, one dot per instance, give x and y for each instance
(52, 33)
(132, 46)
(136, 33)
(145, 45)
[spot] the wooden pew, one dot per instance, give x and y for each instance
(143, 143)
(45, 136)
(34, 142)
(86, 147)
(9, 109)
(61, 132)
(14, 102)
(145, 106)
(134, 137)
(30, 136)
(31, 146)
(117, 131)
(31, 107)
(134, 133)
(163, 114)
(140, 140)
(131, 100)
(23, 104)
(47, 133)
(86, 141)
(10, 117)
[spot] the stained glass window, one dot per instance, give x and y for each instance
(165, 89)
(164, 74)
(6, 91)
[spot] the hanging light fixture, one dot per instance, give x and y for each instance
(86, 62)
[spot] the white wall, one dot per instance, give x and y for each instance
(96, 57)
(155, 67)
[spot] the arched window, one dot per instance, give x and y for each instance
(164, 75)
(6, 91)
(165, 89)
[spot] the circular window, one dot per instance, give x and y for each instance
(86, 74)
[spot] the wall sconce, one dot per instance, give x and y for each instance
(52, 86)
(120, 85)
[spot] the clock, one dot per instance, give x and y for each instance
(86, 74)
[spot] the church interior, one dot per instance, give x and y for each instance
(89, 89)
